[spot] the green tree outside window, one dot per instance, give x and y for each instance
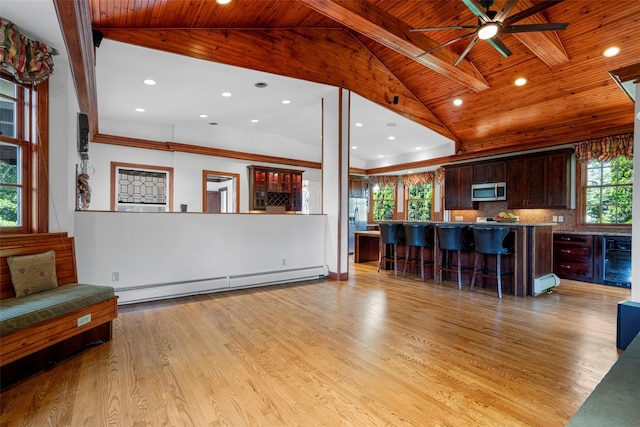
(419, 202)
(609, 191)
(383, 203)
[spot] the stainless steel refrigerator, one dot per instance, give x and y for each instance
(357, 218)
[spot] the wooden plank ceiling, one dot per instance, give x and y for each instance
(366, 46)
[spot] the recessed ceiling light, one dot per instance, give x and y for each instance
(612, 51)
(226, 94)
(520, 81)
(353, 147)
(254, 120)
(391, 138)
(391, 125)
(380, 156)
(418, 148)
(140, 110)
(457, 102)
(286, 101)
(358, 125)
(149, 82)
(203, 115)
(223, 1)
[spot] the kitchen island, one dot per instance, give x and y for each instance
(532, 258)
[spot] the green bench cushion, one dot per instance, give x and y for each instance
(18, 313)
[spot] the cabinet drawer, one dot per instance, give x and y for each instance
(577, 270)
(573, 238)
(572, 252)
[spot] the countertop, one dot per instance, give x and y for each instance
(513, 224)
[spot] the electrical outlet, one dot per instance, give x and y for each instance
(115, 276)
(560, 218)
(459, 218)
(554, 218)
(83, 320)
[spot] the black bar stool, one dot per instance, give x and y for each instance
(453, 238)
(418, 236)
(391, 233)
(491, 240)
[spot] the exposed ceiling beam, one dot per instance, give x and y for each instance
(75, 23)
(546, 45)
(370, 21)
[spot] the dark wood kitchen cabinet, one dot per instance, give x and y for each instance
(270, 187)
(578, 257)
(356, 187)
(492, 171)
(538, 182)
(457, 191)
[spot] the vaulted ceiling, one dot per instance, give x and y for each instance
(368, 48)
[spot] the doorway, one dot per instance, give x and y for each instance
(220, 192)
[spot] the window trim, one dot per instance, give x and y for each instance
(372, 204)
(114, 169)
(35, 160)
(581, 203)
(406, 200)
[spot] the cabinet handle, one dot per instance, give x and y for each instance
(566, 239)
(565, 266)
(566, 251)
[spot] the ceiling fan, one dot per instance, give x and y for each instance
(492, 23)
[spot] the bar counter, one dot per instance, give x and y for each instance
(532, 258)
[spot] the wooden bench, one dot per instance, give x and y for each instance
(33, 347)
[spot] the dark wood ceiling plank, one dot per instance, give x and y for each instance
(312, 55)
(365, 18)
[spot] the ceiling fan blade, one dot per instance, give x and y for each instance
(506, 10)
(499, 46)
(531, 11)
(476, 10)
(453, 27)
(447, 44)
(466, 51)
(512, 29)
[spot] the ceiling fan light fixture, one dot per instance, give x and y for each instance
(488, 31)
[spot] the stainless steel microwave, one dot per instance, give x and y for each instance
(489, 192)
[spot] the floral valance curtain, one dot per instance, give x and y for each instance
(384, 180)
(418, 178)
(439, 175)
(605, 149)
(29, 61)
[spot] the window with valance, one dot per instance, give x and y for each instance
(419, 195)
(608, 181)
(28, 61)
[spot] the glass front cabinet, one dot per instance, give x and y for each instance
(274, 190)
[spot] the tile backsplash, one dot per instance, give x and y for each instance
(569, 217)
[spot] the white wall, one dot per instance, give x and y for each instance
(168, 254)
(63, 110)
(635, 228)
(187, 178)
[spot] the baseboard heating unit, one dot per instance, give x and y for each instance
(544, 283)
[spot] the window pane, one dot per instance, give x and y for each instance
(10, 206)
(8, 118)
(594, 177)
(609, 191)
(9, 162)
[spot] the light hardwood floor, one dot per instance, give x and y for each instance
(373, 350)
